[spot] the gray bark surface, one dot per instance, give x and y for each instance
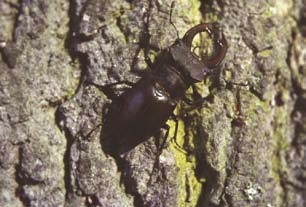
(246, 144)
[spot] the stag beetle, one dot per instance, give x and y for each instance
(143, 109)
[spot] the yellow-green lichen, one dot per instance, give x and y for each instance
(280, 7)
(216, 153)
(186, 177)
(251, 106)
(280, 143)
(193, 13)
(73, 79)
(265, 53)
(277, 8)
(190, 187)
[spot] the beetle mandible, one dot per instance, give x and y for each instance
(143, 109)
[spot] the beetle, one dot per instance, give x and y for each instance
(143, 109)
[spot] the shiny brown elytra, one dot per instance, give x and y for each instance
(143, 109)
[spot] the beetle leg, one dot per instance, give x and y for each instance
(175, 130)
(187, 101)
(148, 59)
(170, 20)
(174, 138)
(197, 101)
(92, 130)
(194, 103)
(129, 83)
(108, 89)
(134, 69)
(145, 37)
(126, 82)
(195, 95)
(160, 148)
(163, 144)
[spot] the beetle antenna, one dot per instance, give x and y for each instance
(171, 10)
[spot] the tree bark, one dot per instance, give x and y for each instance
(245, 145)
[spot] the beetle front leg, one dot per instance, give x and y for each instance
(199, 100)
(144, 44)
(194, 104)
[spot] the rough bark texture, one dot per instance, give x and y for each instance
(246, 145)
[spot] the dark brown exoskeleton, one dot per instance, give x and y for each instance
(144, 108)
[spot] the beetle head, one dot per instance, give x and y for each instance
(189, 64)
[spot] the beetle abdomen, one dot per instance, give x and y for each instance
(136, 115)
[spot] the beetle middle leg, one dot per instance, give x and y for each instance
(109, 90)
(174, 138)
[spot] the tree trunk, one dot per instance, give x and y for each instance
(245, 145)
